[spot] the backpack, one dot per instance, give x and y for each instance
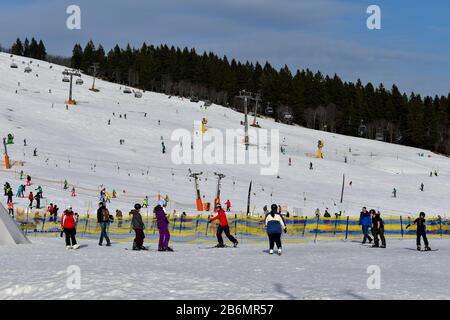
(105, 215)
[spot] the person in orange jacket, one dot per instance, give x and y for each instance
(223, 227)
(11, 209)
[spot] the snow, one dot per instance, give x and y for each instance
(78, 145)
(322, 270)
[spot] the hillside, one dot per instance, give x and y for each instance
(78, 145)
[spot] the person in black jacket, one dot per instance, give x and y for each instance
(137, 224)
(377, 229)
(104, 220)
(421, 231)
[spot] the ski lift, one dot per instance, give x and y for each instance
(79, 81)
(269, 111)
(127, 90)
(65, 73)
(14, 65)
(208, 103)
(66, 79)
(138, 94)
(194, 99)
(287, 116)
(27, 69)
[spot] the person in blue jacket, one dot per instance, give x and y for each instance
(275, 225)
(365, 221)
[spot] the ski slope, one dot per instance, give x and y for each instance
(322, 270)
(78, 145)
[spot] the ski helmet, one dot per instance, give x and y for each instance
(137, 206)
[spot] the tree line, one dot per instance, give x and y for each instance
(316, 101)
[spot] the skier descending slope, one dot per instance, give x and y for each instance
(377, 229)
(163, 228)
(138, 226)
(69, 225)
(223, 227)
(275, 225)
(421, 231)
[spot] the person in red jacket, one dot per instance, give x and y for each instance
(31, 198)
(228, 204)
(223, 227)
(69, 225)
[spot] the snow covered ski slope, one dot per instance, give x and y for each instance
(77, 144)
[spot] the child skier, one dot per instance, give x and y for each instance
(69, 225)
(11, 209)
(223, 227)
(275, 224)
(31, 198)
(138, 226)
(421, 231)
(163, 227)
(377, 229)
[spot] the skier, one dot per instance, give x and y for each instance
(138, 226)
(365, 222)
(223, 227)
(50, 211)
(68, 226)
(35, 152)
(11, 209)
(326, 214)
(37, 197)
(19, 191)
(163, 228)
(310, 166)
(104, 220)
(394, 192)
(28, 181)
(145, 203)
(39, 191)
(6, 186)
(228, 204)
(74, 194)
(163, 147)
(9, 194)
(55, 213)
(421, 231)
(31, 198)
(21, 175)
(275, 224)
(377, 229)
(65, 184)
(119, 217)
(421, 187)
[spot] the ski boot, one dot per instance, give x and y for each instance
(271, 251)
(235, 244)
(220, 246)
(418, 248)
(143, 248)
(427, 249)
(279, 252)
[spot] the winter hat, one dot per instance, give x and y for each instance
(274, 207)
(137, 206)
(422, 214)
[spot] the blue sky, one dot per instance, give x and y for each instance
(412, 48)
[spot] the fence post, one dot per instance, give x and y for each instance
(235, 224)
(317, 228)
(346, 229)
(440, 226)
(401, 225)
(304, 226)
(181, 222)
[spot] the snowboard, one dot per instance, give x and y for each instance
(422, 250)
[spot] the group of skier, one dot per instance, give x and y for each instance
(372, 220)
